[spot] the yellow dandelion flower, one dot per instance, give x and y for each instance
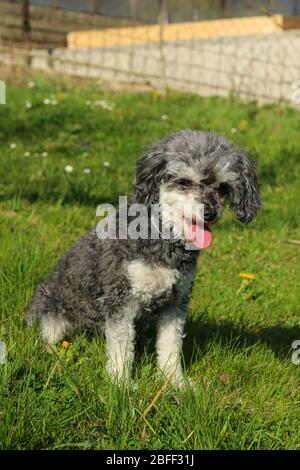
(247, 276)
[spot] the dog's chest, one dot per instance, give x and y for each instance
(150, 282)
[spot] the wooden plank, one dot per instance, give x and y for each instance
(49, 26)
(182, 31)
(10, 8)
(290, 22)
(36, 36)
(60, 16)
(52, 24)
(14, 23)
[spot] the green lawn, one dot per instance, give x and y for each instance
(239, 335)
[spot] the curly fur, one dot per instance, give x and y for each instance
(106, 285)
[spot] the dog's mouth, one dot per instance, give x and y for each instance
(199, 233)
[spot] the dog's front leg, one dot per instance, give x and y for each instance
(169, 343)
(120, 334)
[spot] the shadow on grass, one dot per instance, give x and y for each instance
(278, 338)
(201, 333)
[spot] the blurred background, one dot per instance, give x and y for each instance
(248, 47)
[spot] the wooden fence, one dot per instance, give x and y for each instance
(49, 25)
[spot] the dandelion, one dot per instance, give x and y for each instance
(104, 105)
(243, 124)
(13, 145)
(234, 130)
(107, 164)
(66, 345)
(69, 168)
(86, 171)
(28, 105)
(247, 276)
(44, 154)
(164, 117)
(26, 154)
(46, 101)
(31, 84)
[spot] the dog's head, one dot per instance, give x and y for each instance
(192, 168)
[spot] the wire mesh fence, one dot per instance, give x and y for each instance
(254, 58)
(175, 10)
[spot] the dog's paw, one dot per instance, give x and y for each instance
(121, 380)
(183, 383)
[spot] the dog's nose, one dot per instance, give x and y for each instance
(210, 214)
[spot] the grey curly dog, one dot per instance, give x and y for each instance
(105, 285)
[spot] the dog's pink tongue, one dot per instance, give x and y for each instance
(200, 236)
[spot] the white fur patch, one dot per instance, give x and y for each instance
(169, 344)
(174, 198)
(175, 206)
(183, 170)
(119, 344)
(224, 175)
(53, 329)
(149, 281)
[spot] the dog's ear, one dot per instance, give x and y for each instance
(149, 172)
(244, 189)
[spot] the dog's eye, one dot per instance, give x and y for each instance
(223, 189)
(184, 184)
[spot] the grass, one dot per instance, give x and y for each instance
(238, 344)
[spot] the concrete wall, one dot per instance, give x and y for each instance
(257, 67)
(261, 67)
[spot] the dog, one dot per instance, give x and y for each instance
(106, 285)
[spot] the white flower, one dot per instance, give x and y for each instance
(164, 117)
(46, 101)
(87, 171)
(104, 105)
(26, 154)
(13, 145)
(106, 164)
(233, 130)
(44, 154)
(28, 105)
(31, 84)
(69, 168)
